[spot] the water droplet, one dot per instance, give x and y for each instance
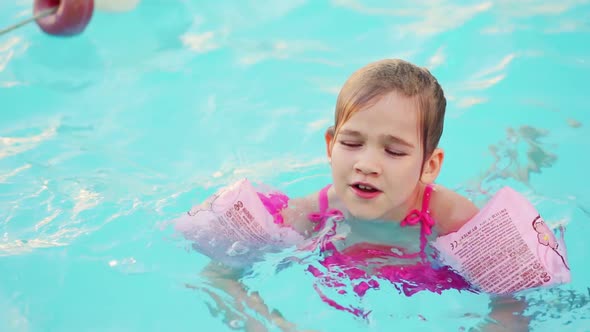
(236, 324)
(129, 261)
(396, 251)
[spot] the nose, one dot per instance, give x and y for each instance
(367, 165)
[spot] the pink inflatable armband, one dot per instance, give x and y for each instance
(235, 224)
(506, 247)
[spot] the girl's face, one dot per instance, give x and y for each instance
(376, 159)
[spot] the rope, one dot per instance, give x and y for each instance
(41, 14)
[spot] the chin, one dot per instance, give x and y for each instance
(363, 214)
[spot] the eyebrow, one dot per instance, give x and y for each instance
(390, 138)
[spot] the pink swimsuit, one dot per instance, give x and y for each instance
(407, 278)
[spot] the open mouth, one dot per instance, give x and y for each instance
(365, 188)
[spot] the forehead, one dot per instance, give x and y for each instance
(392, 114)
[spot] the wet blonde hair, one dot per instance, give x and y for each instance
(371, 82)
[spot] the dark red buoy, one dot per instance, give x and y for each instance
(71, 17)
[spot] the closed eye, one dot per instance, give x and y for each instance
(395, 153)
(350, 144)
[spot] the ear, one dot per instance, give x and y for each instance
(432, 166)
(329, 137)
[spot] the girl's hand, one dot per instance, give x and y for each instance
(506, 316)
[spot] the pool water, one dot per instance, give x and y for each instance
(107, 135)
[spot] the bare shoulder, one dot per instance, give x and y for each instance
(450, 210)
(296, 214)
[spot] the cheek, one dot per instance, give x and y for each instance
(407, 167)
(341, 160)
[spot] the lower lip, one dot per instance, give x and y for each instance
(365, 194)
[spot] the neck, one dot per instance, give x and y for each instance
(395, 215)
(413, 202)
(335, 203)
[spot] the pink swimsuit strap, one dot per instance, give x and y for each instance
(422, 216)
(321, 217)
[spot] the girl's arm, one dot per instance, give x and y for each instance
(227, 280)
(296, 215)
(236, 310)
(506, 315)
(452, 211)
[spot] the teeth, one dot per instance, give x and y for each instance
(365, 187)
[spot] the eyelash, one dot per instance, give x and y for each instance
(356, 145)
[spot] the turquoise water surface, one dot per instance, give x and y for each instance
(107, 135)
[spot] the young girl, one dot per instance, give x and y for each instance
(384, 156)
